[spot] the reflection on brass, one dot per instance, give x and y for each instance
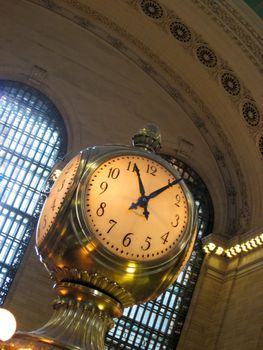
(95, 279)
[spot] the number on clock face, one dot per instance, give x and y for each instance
(56, 197)
(116, 212)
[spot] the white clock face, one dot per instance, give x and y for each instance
(56, 198)
(135, 207)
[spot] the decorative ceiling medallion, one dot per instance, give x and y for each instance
(180, 31)
(225, 14)
(260, 144)
(152, 9)
(206, 56)
(251, 113)
(230, 83)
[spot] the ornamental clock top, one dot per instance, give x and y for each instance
(148, 137)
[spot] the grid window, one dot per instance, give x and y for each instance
(158, 323)
(32, 138)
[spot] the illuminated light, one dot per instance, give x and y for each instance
(228, 254)
(219, 251)
(211, 246)
(79, 298)
(7, 324)
(244, 248)
(233, 252)
(253, 243)
(257, 239)
(248, 245)
(206, 249)
(238, 248)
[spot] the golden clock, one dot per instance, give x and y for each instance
(126, 224)
(117, 227)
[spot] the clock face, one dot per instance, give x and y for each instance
(56, 198)
(135, 207)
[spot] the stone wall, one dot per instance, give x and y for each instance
(226, 312)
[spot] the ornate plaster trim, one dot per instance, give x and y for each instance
(236, 26)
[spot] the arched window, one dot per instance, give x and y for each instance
(158, 324)
(32, 138)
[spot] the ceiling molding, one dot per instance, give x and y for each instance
(237, 27)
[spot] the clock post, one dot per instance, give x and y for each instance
(116, 229)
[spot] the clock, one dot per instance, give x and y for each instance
(55, 200)
(118, 226)
(135, 207)
(119, 219)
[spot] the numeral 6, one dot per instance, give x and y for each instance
(127, 240)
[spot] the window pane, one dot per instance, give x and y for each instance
(32, 137)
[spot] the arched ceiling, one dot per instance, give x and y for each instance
(201, 61)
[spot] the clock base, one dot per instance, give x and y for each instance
(81, 318)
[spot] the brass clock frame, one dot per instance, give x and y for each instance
(86, 235)
(70, 251)
(120, 269)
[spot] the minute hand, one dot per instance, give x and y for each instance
(160, 190)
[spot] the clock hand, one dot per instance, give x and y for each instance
(142, 191)
(142, 201)
(160, 190)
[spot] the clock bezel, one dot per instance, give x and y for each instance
(89, 238)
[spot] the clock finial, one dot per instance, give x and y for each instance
(148, 137)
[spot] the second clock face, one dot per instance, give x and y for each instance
(135, 207)
(56, 198)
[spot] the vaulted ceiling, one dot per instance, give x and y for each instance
(193, 67)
